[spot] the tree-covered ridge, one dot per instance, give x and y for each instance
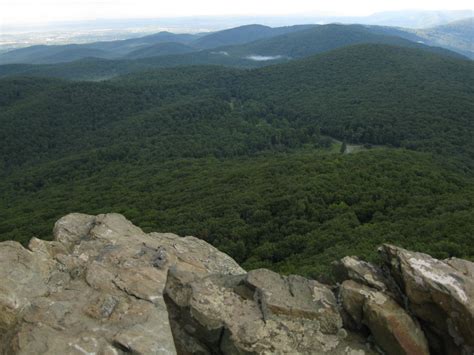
(378, 94)
(320, 39)
(276, 45)
(371, 94)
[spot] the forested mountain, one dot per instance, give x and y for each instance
(252, 160)
(44, 54)
(251, 41)
(52, 54)
(325, 38)
(160, 49)
(148, 46)
(244, 34)
(379, 94)
(457, 36)
(416, 18)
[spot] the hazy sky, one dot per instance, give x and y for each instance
(42, 11)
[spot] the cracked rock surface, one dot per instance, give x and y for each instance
(96, 289)
(104, 287)
(440, 294)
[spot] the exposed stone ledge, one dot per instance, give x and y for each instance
(103, 286)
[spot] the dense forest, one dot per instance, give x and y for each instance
(293, 212)
(252, 160)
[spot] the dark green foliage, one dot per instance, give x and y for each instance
(160, 49)
(244, 34)
(362, 94)
(243, 158)
(380, 95)
(43, 54)
(343, 148)
(292, 212)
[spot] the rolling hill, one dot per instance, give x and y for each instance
(244, 34)
(260, 43)
(147, 45)
(160, 49)
(112, 49)
(322, 39)
(51, 54)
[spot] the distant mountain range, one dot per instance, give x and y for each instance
(415, 18)
(246, 46)
(163, 43)
(457, 36)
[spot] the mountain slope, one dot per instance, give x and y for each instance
(287, 41)
(122, 47)
(244, 34)
(416, 18)
(457, 36)
(322, 39)
(256, 54)
(379, 94)
(374, 94)
(52, 54)
(112, 49)
(160, 49)
(95, 69)
(116, 49)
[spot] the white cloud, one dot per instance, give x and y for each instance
(40, 11)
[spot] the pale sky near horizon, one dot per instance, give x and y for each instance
(45, 11)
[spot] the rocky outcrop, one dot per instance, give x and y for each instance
(440, 294)
(103, 286)
(391, 326)
(257, 313)
(96, 289)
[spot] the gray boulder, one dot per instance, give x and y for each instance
(96, 289)
(353, 268)
(440, 294)
(257, 313)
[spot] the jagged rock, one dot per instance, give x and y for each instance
(393, 329)
(351, 267)
(440, 294)
(96, 289)
(105, 287)
(463, 266)
(258, 313)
